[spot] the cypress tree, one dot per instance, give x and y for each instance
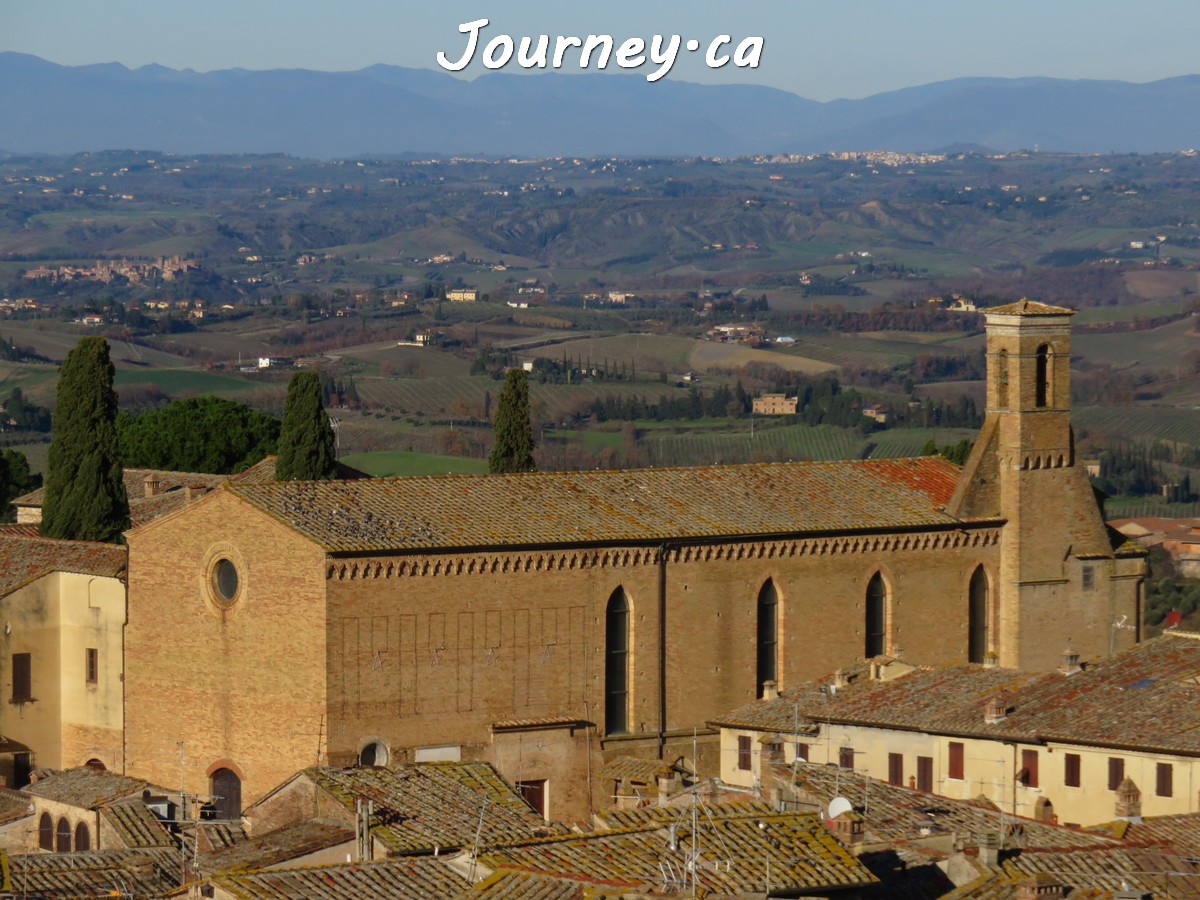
(85, 492)
(513, 447)
(306, 446)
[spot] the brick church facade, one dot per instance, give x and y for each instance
(551, 622)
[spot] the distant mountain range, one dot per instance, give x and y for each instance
(387, 110)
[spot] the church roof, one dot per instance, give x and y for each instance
(645, 505)
(1025, 307)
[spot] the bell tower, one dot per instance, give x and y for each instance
(1060, 580)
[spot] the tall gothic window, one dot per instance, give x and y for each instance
(1002, 378)
(616, 664)
(977, 617)
(876, 624)
(1043, 376)
(768, 635)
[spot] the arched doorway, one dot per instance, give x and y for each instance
(226, 795)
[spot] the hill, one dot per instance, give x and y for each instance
(382, 110)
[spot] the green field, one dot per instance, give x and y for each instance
(395, 463)
(180, 382)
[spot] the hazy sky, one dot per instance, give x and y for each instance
(822, 50)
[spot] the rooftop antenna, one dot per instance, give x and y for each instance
(475, 844)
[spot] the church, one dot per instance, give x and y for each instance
(551, 623)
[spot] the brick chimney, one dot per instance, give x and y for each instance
(989, 847)
(1070, 661)
(151, 485)
(848, 829)
(1129, 800)
(194, 492)
(996, 709)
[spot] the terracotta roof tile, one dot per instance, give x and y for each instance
(617, 506)
(100, 873)
(1143, 697)
(136, 825)
(276, 847)
(733, 849)
(402, 879)
(88, 788)
(433, 805)
(1025, 307)
(512, 884)
(25, 559)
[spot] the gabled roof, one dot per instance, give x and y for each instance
(513, 884)
(733, 851)
(89, 788)
(262, 851)
(1144, 697)
(428, 806)
(136, 825)
(620, 506)
(24, 559)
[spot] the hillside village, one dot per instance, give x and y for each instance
(866, 678)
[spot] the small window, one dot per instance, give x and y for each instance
(1089, 578)
(225, 582)
(846, 757)
(534, 793)
(83, 838)
(62, 835)
(1116, 772)
(1028, 775)
(373, 754)
(22, 678)
(743, 759)
(956, 760)
(1043, 375)
(802, 752)
(896, 769)
(1071, 766)
(92, 665)
(1164, 780)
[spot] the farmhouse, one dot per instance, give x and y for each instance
(547, 623)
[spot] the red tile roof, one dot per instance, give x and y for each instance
(24, 559)
(645, 505)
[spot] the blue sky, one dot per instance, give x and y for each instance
(819, 50)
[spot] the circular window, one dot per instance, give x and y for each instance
(373, 754)
(225, 582)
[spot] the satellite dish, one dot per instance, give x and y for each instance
(839, 805)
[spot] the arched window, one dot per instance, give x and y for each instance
(1043, 376)
(373, 754)
(83, 838)
(977, 617)
(46, 832)
(768, 635)
(616, 664)
(226, 794)
(876, 618)
(1002, 378)
(63, 836)
(97, 765)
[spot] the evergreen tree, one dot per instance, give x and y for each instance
(306, 446)
(513, 449)
(85, 492)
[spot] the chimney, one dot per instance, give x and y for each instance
(1070, 661)
(668, 784)
(151, 485)
(990, 660)
(770, 690)
(194, 492)
(1129, 800)
(996, 709)
(839, 679)
(848, 829)
(989, 848)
